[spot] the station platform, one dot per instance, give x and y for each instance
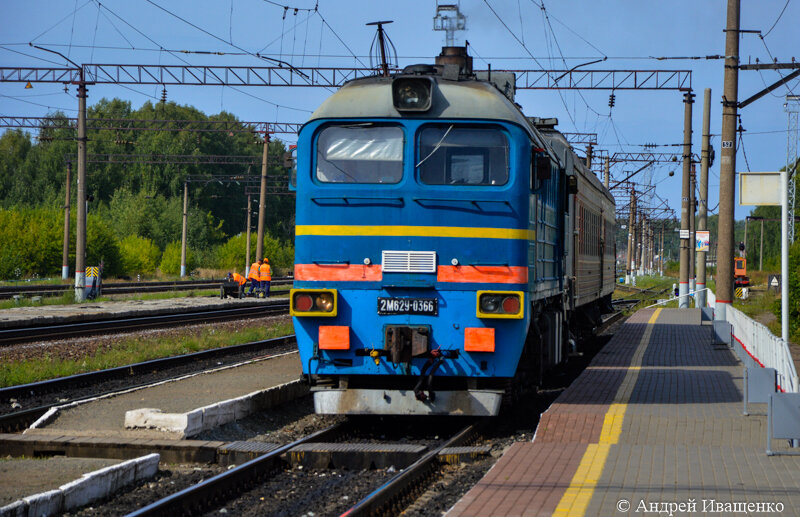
(654, 425)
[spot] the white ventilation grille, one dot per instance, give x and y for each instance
(409, 261)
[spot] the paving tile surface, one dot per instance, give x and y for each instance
(655, 419)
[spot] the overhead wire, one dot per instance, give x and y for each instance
(769, 53)
(94, 37)
(230, 24)
(204, 31)
(283, 32)
(341, 40)
(30, 55)
(37, 103)
(174, 54)
(305, 45)
(114, 25)
(320, 54)
(72, 32)
(541, 6)
(508, 29)
(561, 53)
(290, 7)
(778, 19)
(59, 22)
(280, 37)
(232, 87)
(740, 130)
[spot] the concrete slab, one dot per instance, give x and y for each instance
(214, 415)
(90, 487)
(105, 417)
(22, 477)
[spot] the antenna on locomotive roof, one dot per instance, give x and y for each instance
(379, 54)
(449, 19)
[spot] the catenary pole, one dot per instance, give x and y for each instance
(262, 201)
(761, 251)
(247, 237)
(661, 255)
(184, 227)
(727, 163)
(589, 153)
(692, 229)
(683, 285)
(702, 208)
(80, 228)
(65, 252)
(629, 252)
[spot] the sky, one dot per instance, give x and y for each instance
(506, 34)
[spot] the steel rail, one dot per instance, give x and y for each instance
(197, 499)
(22, 419)
(47, 332)
(123, 287)
(377, 502)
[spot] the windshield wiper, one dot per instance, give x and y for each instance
(436, 147)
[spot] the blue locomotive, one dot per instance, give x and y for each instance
(447, 247)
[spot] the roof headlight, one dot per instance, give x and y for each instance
(412, 93)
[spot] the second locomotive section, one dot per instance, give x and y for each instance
(428, 219)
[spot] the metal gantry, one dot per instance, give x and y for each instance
(202, 126)
(208, 75)
(792, 139)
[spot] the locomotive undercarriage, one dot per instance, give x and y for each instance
(550, 341)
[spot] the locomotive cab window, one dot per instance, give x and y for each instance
(360, 153)
(457, 155)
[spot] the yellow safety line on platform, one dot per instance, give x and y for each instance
(576, 498)
(415, 231)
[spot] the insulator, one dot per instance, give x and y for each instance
(611, 100)
(164, 94)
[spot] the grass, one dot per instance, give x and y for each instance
(759, 306)
(68, 297)
(133, 350)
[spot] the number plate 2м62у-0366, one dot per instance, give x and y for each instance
(424, 306)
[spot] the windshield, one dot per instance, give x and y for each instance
(360, 153)
(452, 155)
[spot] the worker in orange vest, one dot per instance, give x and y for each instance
(239, 279)
(236, 277)
(253, 276)
(265, 276)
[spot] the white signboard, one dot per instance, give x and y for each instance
(684, 234)
(760, 188)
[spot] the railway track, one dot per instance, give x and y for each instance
(70, 330)
(402, 489)
(123, 377)
(394, 495)
(200, 498)
(27, 291)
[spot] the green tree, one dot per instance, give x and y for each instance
(141, 199)
(794, 291)
(171, 259)
(139, 255)
(31, 242)
(102, 246)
